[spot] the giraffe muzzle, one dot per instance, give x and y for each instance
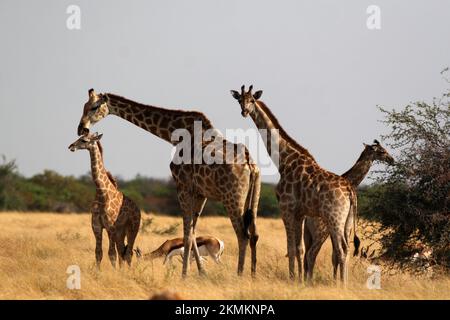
(82, 130)
(390, 161)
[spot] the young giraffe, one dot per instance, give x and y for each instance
(316, 231)
(235, 184)
(304, 189)
(111, 210)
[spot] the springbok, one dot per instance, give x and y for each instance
(207, 246)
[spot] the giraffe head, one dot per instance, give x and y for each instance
(95, 109)
(376, 151)
(85, 142)
(247, 100)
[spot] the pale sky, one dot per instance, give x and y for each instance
(321, 69)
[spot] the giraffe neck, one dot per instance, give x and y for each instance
(100, 176)
(158, 121)
(358, 172)
(264, 119)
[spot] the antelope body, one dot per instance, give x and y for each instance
(207, 246)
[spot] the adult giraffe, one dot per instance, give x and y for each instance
(316, 231)
(235, 183)
(304, 189)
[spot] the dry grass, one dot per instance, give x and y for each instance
(36, 249)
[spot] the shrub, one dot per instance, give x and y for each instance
(412, 197)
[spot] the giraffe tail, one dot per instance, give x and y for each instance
(248, 219)
(354, 211)
(249, 216)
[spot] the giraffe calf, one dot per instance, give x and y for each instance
(111, 209)
(207, 246)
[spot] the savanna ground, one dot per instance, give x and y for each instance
(37, 248)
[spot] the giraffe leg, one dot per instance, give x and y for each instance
(347, 232)
(238, 226)
(120, 245)
(197, 257)
(343, 265)
(311, 254)
(291, 249)
(317, 232)
(290, 234)
(112, 249)
(193, 206)
(340, 250)
(132, 232)
(187, 230)
(308, 240)
(299, 252)
(254, 236)
(97, 229)
(335, 262)
(340, 247)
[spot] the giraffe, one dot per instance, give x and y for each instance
(235, 184)
(111, 210)
(316, 231)
(304, 188)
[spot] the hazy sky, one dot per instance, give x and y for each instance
(322, 71)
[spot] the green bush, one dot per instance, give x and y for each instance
(412, 198)
(268, 203)
(50, 191)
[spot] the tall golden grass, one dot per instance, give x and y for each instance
(37, 248)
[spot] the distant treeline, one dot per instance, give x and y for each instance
(52, 192)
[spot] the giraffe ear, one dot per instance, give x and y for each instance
(96, 136)
(368, 146)
(235, 94)
(257, 94)
(104, 98)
